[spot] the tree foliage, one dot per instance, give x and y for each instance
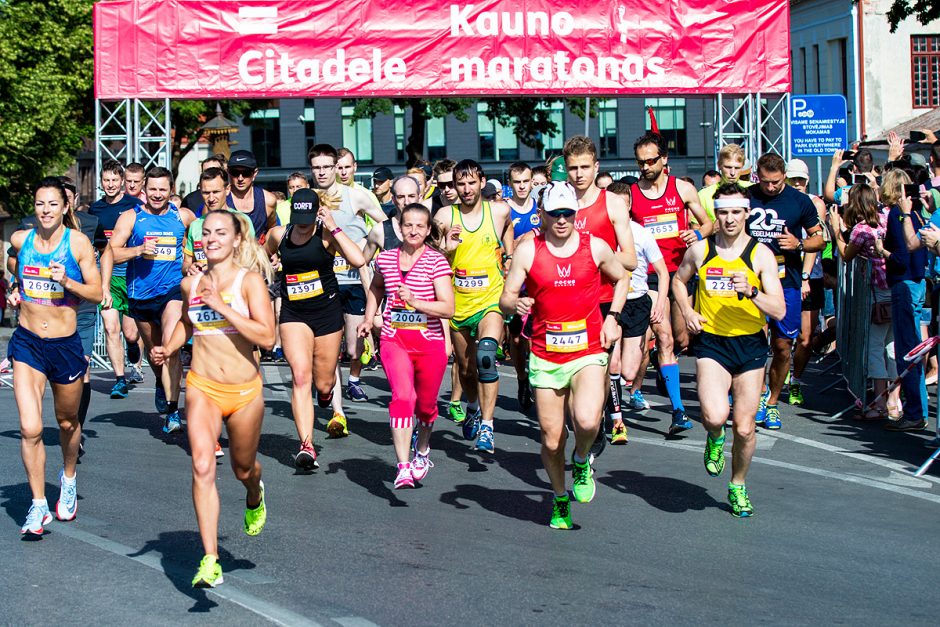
(187, 116)
(924, 10)
(46, 101)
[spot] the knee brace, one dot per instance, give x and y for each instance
(486, 360)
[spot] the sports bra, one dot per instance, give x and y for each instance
(205, 319)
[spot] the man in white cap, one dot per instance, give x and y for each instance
(812, 287)
(561, 269)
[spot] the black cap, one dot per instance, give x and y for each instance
(304, 206)
(489, 191)
(382, 174)
(428, 170)
(243, 159)
(629, 179)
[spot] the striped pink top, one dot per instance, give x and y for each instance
(397, 316)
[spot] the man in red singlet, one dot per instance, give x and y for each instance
(605, 216)
(662, 204)
(561, 270)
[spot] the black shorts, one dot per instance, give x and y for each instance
(322, 321)
(817, 295)
(151, 310)
(735, 354)
(59, 358)
(653, 282)
(635, 318)
(353, 298)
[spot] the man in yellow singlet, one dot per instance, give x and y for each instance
(478, 235)
(738, 285)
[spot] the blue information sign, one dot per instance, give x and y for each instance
(818, 124)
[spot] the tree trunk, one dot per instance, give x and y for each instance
(414, 148)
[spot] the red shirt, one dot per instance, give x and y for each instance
(594, 220)
(664, 217)
(566, 315)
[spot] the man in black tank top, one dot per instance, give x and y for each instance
(386, 235)
(261, 208)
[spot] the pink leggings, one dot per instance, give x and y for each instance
(415, 368)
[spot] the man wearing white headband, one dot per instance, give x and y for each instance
(738, 285)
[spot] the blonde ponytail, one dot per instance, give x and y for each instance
(248, 254)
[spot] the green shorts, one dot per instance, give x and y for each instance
(473, 321)
(546, 374)
(119, 294)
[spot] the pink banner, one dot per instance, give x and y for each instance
(295, 48)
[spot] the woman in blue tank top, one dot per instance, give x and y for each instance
(56, 270)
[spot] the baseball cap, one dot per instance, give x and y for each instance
(304, 206)
(559, 170)
(489, 190)
(558, 195)
(918, 159)
(242, 159)
(495, 183)
(797, 169)
(382, 174)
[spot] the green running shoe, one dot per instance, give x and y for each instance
(584, 487)
(209, 574)
(715, 454)
(561, 513)
(255, 518)
(456, 413)
(796, 394)
(740, 504)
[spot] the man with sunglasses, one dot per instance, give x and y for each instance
(564, 271)
(605, 216)
(662, 204)
(258, 204)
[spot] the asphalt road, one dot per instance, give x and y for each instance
(842, 534)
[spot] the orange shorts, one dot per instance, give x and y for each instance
(226, 396)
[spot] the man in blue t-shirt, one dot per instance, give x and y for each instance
(779, 214)
(114, 302)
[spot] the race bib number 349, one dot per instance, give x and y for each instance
(166, 247)
(566, 337)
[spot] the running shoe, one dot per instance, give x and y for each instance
(525, 396)
(500, 354)
(218, 450)
(324, 401)
(906, 424)
(455, 412)
(715, 454)
(484, 442)
(420, 466)
(471, 425)
(740, 504)
(583, 486)
(355, 393)
(119, 390)
(619, 435)
(135, 374)
(414, 440)
(278, 355)
(561, 513)
(159, 400)
(81, 447)
(255, 518)
(306, 457)
(404, 479)
(796, 394)
(367, 353)
(173, 423)
(772, 419)
(67, 506)
(762, 408)
(37, 516)
(209, 574)
(680, 422)
(600, 441)
(336, 427)
(637, 401)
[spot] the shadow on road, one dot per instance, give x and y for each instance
(16, 499)
(664, 493)
(528, 506)
(374, 474)
(148, 421)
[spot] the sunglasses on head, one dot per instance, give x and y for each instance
(241, 172)
(446, 184)
(648, 161)
(561, 213)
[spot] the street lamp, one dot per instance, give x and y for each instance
(705, 126)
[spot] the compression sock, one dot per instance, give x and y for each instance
(83, 403)
(133, 353)
(614, 398)
(172, 406)
(670, 374)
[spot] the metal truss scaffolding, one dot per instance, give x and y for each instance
(131, 130)
(758, 122)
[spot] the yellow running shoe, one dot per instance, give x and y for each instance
(337, 426)
(619, 434)
(366, 355)
(255, 518)
(209, 574)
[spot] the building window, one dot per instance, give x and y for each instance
(925, 70)
(400, 134)
(266, 137)
(552, 144)
(310, 125)
(357, 135)
(670, 116)
(497, 142)
(436, 138)
(607, 120)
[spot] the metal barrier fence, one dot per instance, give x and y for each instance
(853, 315)
(99, 354)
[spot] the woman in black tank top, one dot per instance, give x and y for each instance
(311, 320)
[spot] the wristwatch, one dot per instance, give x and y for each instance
(754, 292)
(616, 316)
(805, 276)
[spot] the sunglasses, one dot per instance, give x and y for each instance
(241, 173)
(561, 213)
(446, 184)
(648, 161)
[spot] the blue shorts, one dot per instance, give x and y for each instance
(789, 327)
(353, 298)
(59, 358)
(151, 310)
(85, 326)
